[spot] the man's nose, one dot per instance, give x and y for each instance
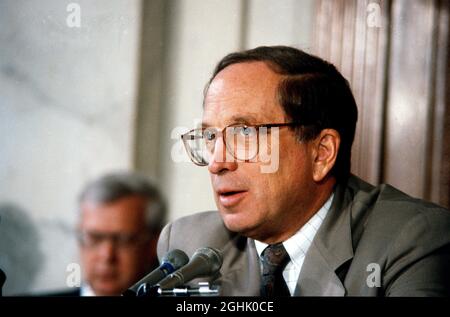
(221, 159)
(107, 250)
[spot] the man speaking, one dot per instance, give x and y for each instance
(304, 226)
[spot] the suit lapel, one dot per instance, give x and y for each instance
(331, 247)
(317, 278)
(243, 273)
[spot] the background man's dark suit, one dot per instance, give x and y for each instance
(2, 280)
(75, 292)
(408, 239)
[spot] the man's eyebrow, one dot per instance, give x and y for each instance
(205, 125)
(247, 118)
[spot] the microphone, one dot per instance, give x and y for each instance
(204, 262)
(171, 262)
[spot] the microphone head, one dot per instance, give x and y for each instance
(176, 258)
(212, 256)
(204, 262)
(172, 261)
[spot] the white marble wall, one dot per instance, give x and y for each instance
(67, 111)
(280, 22)
(68, 101)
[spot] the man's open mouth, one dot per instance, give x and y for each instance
(232, 193)
(229, 198)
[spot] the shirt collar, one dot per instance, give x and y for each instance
(86, 290)
(297, 245)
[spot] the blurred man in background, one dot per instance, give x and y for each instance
(121, 216)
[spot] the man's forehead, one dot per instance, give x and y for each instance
(242, 93)
(241, 76)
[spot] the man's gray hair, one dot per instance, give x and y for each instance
(117, 185)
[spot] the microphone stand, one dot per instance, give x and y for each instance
(204, 289)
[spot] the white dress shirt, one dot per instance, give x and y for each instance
(297, 245)
(86, 290)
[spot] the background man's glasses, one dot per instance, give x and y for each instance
(242, 142)
(94, 239)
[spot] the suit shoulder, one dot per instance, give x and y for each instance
(204, 229)
(210, 218)
(396, 204)
(397, 218)
(387, 202)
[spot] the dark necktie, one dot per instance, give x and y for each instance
(274, 259)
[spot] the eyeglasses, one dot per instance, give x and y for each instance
(241, 141)
(91, 239)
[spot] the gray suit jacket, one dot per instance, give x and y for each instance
(368, 230)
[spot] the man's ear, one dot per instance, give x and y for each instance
(325, 151)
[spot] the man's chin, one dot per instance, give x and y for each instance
(106, 289)
(237, 223)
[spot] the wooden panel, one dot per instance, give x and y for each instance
(358, 79)
(439, 169)
(399, 73)
(373, 98)
(348, 40)
(408, 104)
(337, 25)
(359, 52)
(322, 28)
